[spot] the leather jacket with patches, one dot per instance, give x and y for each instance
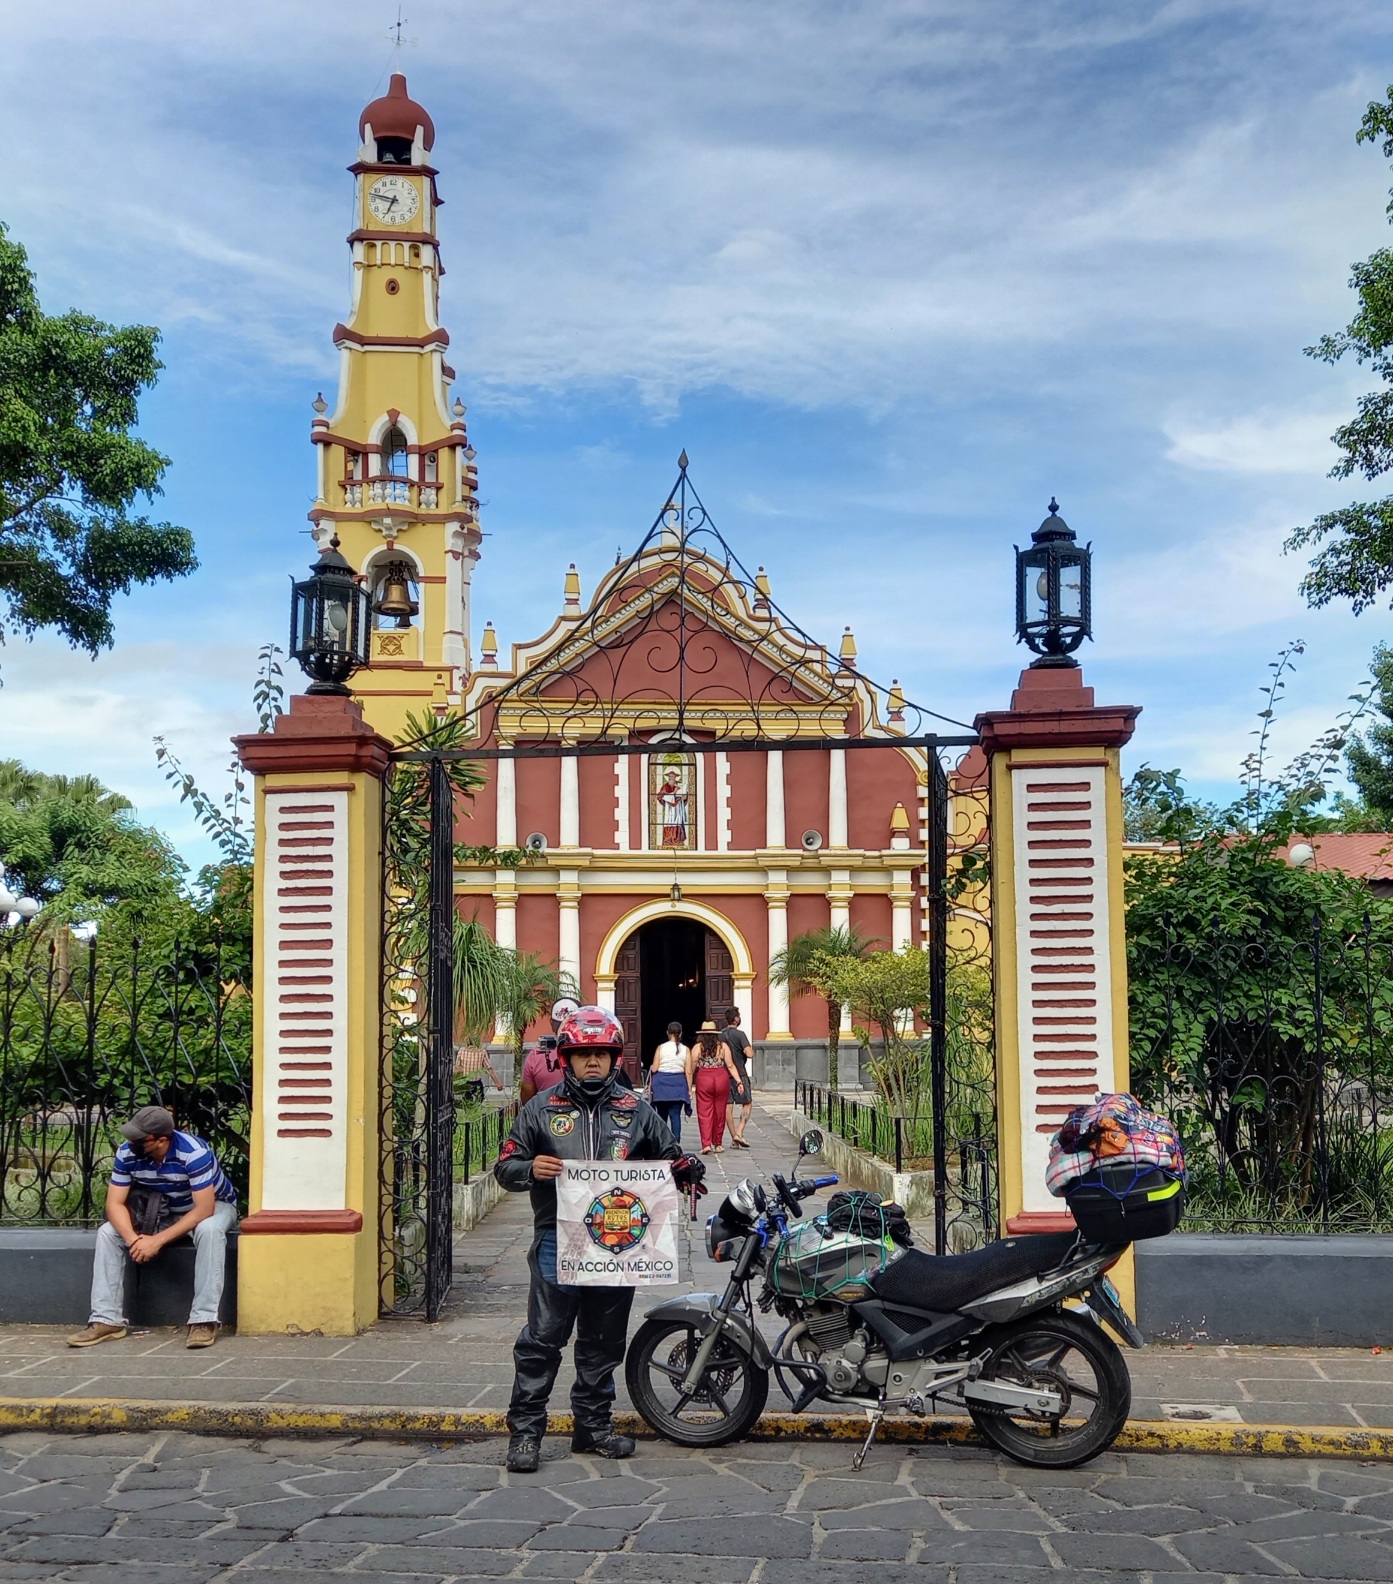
(562, 1122)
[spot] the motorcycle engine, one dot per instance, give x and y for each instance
(853, 1360)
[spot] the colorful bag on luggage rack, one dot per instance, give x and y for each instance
(1121, 1170)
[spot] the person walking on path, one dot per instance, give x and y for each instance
(670, 1080)
(586, 1117)
(715, 1068)
(741, 1088)
(541, 1069)
(164, 1184)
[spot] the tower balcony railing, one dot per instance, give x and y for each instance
(391, 492)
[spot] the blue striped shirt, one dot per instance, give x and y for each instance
(189, 1164)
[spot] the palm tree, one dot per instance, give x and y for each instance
(482, 972)
(794, 965)
(531, 985)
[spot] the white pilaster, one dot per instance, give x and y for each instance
(622, 839)
(568, 906)
(723, 811)
(901, 915)
(774, 832)
(777, 899)
(570, 802)
(836, 798)
(839, 911)
(505, 783)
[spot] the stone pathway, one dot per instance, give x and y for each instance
(179, 1509)
(466, 1360)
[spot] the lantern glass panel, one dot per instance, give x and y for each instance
(1071, 588)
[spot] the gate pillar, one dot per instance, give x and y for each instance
(308, 1255)
(1058, 928)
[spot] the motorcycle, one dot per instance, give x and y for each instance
(887, 1331)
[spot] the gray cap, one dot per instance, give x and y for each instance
(151, 1119)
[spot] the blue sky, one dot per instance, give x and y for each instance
(892, 273)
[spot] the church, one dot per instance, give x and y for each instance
(697, 780)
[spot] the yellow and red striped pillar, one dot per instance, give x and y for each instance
(308, 1254)
(1058, 927)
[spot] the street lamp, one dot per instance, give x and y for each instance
(329, 622)
(1054, 604)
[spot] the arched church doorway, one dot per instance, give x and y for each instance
(671, 970)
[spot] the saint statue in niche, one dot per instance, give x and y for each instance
(672, 802)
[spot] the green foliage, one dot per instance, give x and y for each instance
(70, 468)
(885, 989)
(77, 847)
(1370, 757)
(1356, 561)
(798, 965)
(531, 984)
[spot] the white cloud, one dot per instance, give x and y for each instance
(1262, 442)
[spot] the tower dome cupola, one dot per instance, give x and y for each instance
(393, 123)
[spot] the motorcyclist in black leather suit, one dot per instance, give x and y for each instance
(587, 1116)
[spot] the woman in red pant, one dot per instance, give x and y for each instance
(714, 1068)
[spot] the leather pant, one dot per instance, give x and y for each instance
(600, 1318)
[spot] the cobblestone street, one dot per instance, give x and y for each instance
(181, 1508)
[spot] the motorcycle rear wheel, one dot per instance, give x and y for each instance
(729, 1397)
(1064, 1353)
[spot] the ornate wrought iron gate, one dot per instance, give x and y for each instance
(681, 591)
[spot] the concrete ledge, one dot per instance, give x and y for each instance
(1305, 1291)
(89, 1415)
(46, 1279)
(913, 1190)
(474, 1200)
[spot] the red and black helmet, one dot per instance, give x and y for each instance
(590, 1028)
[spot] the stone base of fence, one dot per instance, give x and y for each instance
(1274, 1291)
(473, 1200)
(912, 1189)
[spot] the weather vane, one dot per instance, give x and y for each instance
(394, 32)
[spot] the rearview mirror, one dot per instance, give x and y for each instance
(810, 1143)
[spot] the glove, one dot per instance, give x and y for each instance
(689, 1173)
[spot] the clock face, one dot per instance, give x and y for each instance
(393, 199)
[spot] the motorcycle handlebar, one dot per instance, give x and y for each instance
(807, 1186)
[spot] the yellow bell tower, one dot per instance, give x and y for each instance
(397, 482)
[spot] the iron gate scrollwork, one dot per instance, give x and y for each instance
(683, 648)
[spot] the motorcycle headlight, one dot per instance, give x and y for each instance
(716, 1232)
(742, 1198)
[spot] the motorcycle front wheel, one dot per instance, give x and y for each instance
(728, 1399)
(1073, 1356)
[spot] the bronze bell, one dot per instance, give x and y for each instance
(394, 597)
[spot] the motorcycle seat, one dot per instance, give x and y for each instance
(945, 1282)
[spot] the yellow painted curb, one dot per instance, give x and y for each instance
(258, 1420)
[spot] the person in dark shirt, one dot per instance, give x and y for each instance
(742, 1088)
(587, 1116)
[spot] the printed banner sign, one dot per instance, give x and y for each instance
(616, 1224)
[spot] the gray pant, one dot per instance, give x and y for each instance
(209, 1268)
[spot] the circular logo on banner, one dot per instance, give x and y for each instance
(563, 1124)
(617, 1220)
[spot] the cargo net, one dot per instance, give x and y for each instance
(854, 1241)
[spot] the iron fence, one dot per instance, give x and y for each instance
(92, 1030)
(479, 1139)
(1269, 1042)
(964, 1166)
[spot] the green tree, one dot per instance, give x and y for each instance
(1370, 756)
(77, 846)
(70, 468)
(795, 967)
(531, 985)
(886, 989)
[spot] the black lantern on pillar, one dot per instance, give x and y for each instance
(1054, 600)
(329, 622)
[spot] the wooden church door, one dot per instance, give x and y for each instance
(720, 979)
(628, 1002)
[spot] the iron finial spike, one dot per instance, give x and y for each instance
(682, 461)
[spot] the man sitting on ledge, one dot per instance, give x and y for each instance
(164, 1183)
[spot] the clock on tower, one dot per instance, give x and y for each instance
(397, 483)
